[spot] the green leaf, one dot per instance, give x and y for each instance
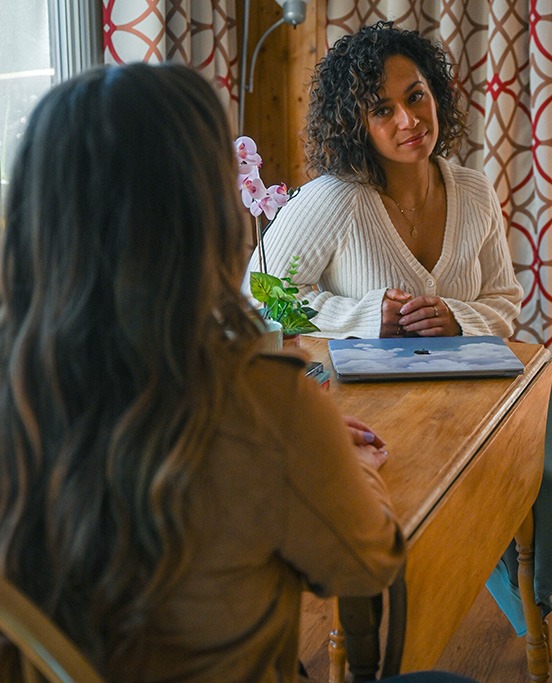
(279, 297)
(262, 284)
(309, 312)
(292, 268)
(291, 290)
(282, 294)
(296, 325)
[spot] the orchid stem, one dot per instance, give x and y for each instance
(263, 256)
(259, 233)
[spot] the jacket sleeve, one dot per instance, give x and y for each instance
(339, 528)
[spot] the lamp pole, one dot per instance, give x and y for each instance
(294, 13)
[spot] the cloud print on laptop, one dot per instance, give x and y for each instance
(417, 358)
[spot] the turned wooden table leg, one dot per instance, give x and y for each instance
(536, 646)
(336, 648)
(547, 636)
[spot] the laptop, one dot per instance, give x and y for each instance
(366, 360)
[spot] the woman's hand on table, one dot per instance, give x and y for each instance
(393, 301)
(370, 447)
(428, 316)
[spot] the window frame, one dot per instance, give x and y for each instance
(76, 44)
(75, 36)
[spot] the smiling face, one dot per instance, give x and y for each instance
(402, 123)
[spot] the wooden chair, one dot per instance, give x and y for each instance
(45, 652)
(355, 636)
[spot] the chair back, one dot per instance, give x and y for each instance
(45, 652)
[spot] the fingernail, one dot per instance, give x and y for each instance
(369, 437)
(401, 311)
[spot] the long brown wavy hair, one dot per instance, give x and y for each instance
(345, 85)
(122, 322)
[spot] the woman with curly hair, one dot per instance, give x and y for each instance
(166, 491)
(392, 238)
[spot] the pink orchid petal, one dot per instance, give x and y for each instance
(255, 196)
(246, 153)
(247, 199)
(278, 194)
(245, 145)
(255, 187)
(269, 212)
(268, 206)
(255, 209)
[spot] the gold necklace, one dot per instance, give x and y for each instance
(413, 232)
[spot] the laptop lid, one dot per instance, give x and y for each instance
(361, 360)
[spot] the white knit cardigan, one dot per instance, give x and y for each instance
(350, 253)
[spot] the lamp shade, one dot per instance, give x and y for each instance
(294, 11)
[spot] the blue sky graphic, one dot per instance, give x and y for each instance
(368, 356)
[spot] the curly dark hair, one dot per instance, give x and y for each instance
(344, 86)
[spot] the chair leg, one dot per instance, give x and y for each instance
(537, 648)
(547, 636)
(336, 649)
(396, 628)
(360, 618)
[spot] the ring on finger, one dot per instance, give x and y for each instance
(435, 312)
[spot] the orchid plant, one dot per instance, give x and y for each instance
(278, 295)
(256, 197)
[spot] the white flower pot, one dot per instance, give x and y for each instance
(273, 337)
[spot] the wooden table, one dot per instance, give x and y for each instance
(465, 465)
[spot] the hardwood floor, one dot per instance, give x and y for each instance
(485, 647)
(316, 623)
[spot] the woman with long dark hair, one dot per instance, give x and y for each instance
(166, 492)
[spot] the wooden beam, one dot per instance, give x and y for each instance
(274, 112)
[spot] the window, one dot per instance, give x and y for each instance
(42, 42)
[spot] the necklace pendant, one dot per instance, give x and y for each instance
(413, 232)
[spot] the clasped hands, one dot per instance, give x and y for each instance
(426, 316)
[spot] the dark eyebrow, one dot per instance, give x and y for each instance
(411, 87)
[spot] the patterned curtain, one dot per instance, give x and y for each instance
(201, 33)
(503, 52)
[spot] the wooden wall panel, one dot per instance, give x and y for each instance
(274, 113)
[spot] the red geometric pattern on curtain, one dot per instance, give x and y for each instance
(503, 52)
(201, 33)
